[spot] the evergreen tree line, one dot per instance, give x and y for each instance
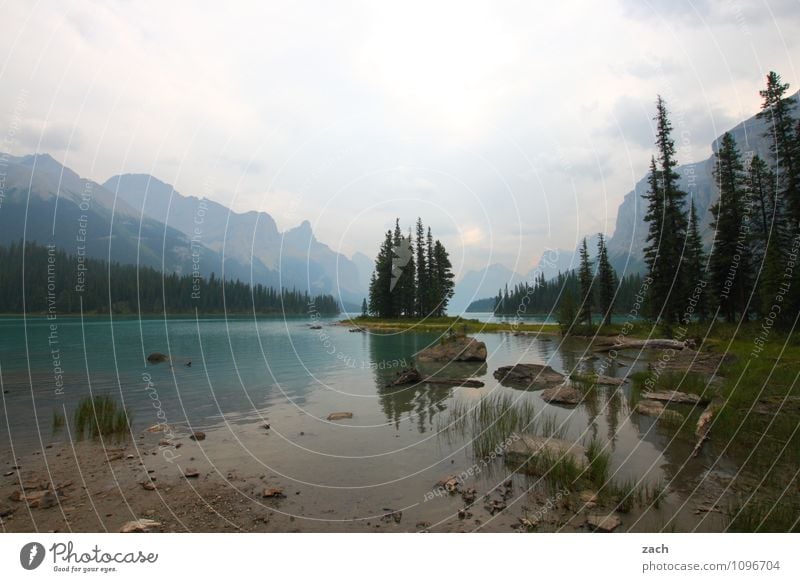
(413, 276)
(54, 284)
(591, 289)
(756, 220)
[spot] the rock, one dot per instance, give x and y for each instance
(407, 376)
(649, 407)
(5, 510)
(275, 492)
(449, 483)
(265, 426)
(165, 443)
(588, 498)
(191, 473)
(603, 523)
(157, 428)
(148, 486)
(457, 349)
(563, 395)
(340, 415)
(48, 500)
(315, 326)
(8, 473)
(608, 380)
(198, 436)
(528, 376)
(676, 397)
(526, 447)
(655, 408)
(157, 358)
(138, 526)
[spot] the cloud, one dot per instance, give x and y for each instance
(519, 125)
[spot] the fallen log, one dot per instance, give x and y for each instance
(626, 344)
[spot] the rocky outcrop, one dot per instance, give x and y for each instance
(528, 376)
(457, 349)
(563, 395)
(157, 358)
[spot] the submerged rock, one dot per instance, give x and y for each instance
(655, 408)
(198, 435)
(563, 395)
(407, 376)
(526, 450)
(528, 375)
(340, 415)
(603, 523)
(157, 357)
(458, 349)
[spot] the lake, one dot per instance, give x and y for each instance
(228, 376)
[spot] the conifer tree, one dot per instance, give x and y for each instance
(730, 256)
(695, 266)
(607, 282)
(443, 275)
(423, 275)
(586, 279)
(668, 223)
(776, 111)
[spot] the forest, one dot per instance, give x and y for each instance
(42, 279)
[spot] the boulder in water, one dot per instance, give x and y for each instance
(457, 349)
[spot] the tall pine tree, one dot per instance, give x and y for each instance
(586, 279)
(606, 282)
(730, 257)
(667, 223)
(695, 265)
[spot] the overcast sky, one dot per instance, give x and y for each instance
(508, 126)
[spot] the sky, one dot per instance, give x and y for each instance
(509, 127)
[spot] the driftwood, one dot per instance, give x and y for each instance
(626, 344)
(704, 425)
(676, 397)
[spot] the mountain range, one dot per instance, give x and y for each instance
(136, 218)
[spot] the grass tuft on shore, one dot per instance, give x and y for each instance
(101, 416)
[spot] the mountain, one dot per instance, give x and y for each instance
(48, 203)
(365, 266)
(294, 258)
(479, 284)
(697, 179)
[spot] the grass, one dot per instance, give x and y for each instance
(101, 416)
(494, 418)
(599, 464)
(490, 421)
(58, 420)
